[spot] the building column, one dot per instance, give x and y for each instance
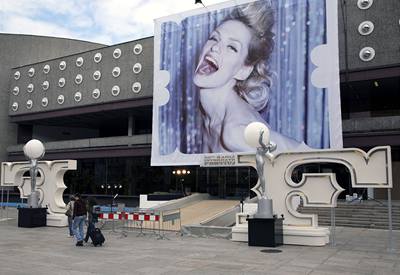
(130, 125)
(370, 193)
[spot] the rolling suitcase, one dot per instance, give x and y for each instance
(97, 237)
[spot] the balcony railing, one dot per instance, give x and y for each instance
(371, 124)
(90, 143)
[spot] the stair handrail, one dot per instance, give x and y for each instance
(360, 198)
(375, 200)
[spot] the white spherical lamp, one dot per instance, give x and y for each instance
(34, 149)
(252, 134)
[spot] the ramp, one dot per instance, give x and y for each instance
(202, 211)
(209, 218)
(204, 216)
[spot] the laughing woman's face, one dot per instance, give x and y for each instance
(223, 55)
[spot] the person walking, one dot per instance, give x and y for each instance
(92, 218)
(79, 216)
(69, 213)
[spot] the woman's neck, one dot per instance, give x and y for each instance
(214, 100)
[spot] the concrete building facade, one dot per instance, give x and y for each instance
(93, 103)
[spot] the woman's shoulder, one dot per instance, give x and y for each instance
(285, 143)
(233, 131)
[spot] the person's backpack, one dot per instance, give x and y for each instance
(68, 212)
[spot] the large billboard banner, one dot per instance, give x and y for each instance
(219, 68)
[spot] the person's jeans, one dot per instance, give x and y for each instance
(70, 226)
(79, 221)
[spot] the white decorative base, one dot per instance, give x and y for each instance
(57, 220)
(240, 233)
(311, 236)
(297, 235)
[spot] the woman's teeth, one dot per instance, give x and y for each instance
(212, 62)
(208, 66)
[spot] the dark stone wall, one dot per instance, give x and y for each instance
(18, 50)
(384, 39)
(108, 63)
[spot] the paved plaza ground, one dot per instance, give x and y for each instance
(48, 250)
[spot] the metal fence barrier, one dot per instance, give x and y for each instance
(143, 221)
(171, 220)
(146, 221)
(4, 204)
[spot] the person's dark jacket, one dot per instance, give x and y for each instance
(92, 217)
(79, 208)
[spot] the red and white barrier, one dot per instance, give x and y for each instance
(111, 216)
(154, 221)
(131, 216)
(142, 217)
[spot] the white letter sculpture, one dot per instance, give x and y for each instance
(50, 185)
(367, 170)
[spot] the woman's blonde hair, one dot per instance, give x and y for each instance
(259, 18)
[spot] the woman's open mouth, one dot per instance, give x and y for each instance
(208, 66)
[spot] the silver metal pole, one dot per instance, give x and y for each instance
(33, 175)
(113, 222)
(8, 197)
(180, 222)
(333, 227)
(390, 237)
(2, 202)
(33, 200)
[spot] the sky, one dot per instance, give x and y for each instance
(103, 21)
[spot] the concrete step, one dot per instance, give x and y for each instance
(362, 225)
(367, 214)
(309, 210)
(372, 226)
(355, 215)
(341, 220)
(344, 219)
(356, 206)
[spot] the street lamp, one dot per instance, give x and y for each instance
(114, 190)
(33, 150)
(180, 174)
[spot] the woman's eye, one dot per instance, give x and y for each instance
(212, 38)
(232, 48)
